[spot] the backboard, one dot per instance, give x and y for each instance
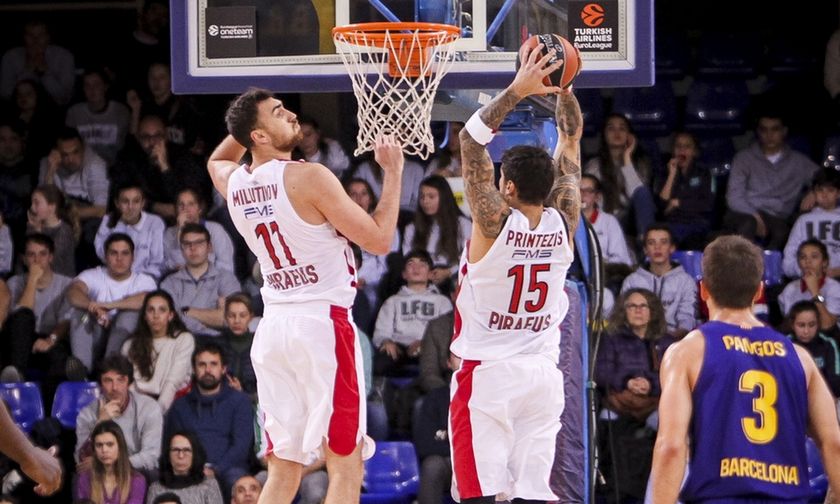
(225, 46)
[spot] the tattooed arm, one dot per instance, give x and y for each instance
(565, 194)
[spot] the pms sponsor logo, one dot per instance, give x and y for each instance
(259, 211)
(531, 253)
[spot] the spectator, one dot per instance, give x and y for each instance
(625, 173)
(145, 230)
(246, 490)
(200, 289)
(49, 65)
(137, 415)
(804, 320)
(184, 471)
(439, 228)
(41, 118)
(373, 267)
(434, 353)
(821, 223)
(447, 162)
(316, 148)
(108, 298)
(237, 338)
(147, 43)
(765, 185)
(15, 174)
(189, 209)
(6, 248)
(404, 316)
(36, 331)
(111, 472)
(159, 350)
(50, 215)
(221, 417)
(814, 285)
(676, 289)
(103, 123)
(610, 235)
(687, 194)
(413, 174)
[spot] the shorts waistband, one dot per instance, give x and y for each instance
(308, 308)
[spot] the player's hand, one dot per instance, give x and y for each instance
(392, 349)
(388, 153)
(529, 78)
(44, 468)
(414, 349)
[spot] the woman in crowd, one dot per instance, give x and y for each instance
(374, 267)
(804, 320)
(182, 472)
(190, 208)
(110, 479)
(160, 349)
(50, 215)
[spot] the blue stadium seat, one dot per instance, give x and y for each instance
(392, 475)
(817, 479)
(651, 110)
(727, 54)
(788, 57)
(691, 261)
(70, 398)
(716, 106)
(25, 403)
(772, 268)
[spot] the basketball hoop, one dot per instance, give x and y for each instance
(396, 69)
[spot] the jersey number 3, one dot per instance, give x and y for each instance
(534, 285)
(263, 232)
(763, 404)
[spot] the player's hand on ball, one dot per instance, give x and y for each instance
(529, 77)
(388, 153)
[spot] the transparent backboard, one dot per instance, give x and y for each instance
(225, 46)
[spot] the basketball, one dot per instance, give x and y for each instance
(563, 76)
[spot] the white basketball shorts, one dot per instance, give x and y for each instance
(310, 381)
(503, 422)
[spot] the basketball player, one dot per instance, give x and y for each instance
(738, 398)
(306, 355)
(507, 396)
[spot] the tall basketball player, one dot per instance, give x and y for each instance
(297, 219)
(738, 398)
(507, 396)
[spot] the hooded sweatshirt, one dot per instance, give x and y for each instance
(676, 289)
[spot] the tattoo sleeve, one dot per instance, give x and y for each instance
(487, 206)
(565, 194)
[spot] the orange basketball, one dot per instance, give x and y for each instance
(563, 76)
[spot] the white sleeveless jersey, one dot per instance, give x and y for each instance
(300, 262)
(512, 300)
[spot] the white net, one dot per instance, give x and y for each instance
(395, 75)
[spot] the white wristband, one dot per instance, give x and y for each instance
(480, 132)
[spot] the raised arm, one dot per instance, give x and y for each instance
(223, 161)
(565, 194)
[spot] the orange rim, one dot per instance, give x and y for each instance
(375, 34)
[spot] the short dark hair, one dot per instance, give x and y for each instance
(117, 363)
(68, 133)
(209, 347)
(827, 177)
(421, 254)
(770, 113)
(658, 226)
(531, 170)
(97, 70)
(166, 498)
(115, 237)
(813, 242)
(801, 307)
(241, 115)
(194, 227)
(725, 256)
(40, 239)
(239, 297)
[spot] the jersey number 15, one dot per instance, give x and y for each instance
(535, 285)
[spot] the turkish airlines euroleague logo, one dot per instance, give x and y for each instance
(592, 15)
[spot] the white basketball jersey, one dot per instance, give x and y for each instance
(512, 300)
(300, 262)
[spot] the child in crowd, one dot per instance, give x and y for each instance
(50, 215)
(814, 285)
(804, 319)
(236, 339)
(821, 223)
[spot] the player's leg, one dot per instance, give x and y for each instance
(345, 475)
(283, 481)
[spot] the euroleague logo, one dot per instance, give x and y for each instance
(592, 15)
(213, 30)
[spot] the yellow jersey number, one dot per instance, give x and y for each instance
(763, 430)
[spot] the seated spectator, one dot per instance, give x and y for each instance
(439, 228)
(35, 334)
(820, 223)
(183, 471)
(814, 285)
(6, 248)
(404, 316)
(50, 215)
(687, 194)
(625, 173)
(190, 208)
(676, 289)
(413, 174)
(200, 289)
(447, 161)
(610, 235)
(42, 120)
(16, 173)
(160, 350)
(434, 353)
(108, 298)
(246, 490)
(804, 320)
(135, 413)
(237, 338)
(316, 148)
(50, 65)
(103, 123)
(110, 478)
(374, 267)
(221, 417)
(766, 183)
(145, 229)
